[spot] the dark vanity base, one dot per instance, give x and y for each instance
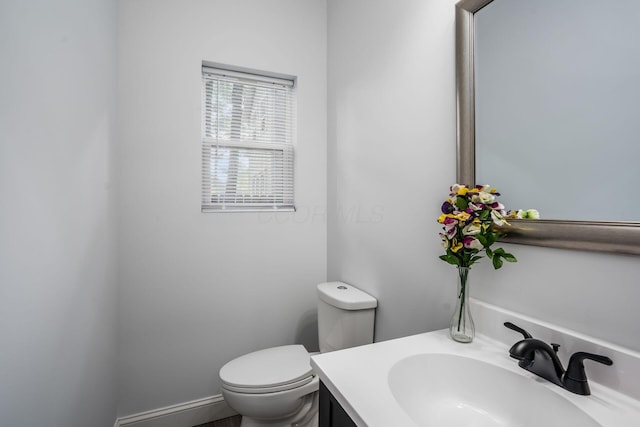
(330, 412)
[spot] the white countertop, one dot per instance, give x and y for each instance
(358, 379)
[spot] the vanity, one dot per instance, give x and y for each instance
(430, 380)
(330, 411)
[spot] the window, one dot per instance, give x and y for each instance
(247, 141)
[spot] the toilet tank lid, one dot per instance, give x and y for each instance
(345, 296)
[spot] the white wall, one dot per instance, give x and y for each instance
(391, 146)
(199, 289)
(589, 292)
(57, 272)
(391, 110)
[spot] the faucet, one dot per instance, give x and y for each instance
(540, 358)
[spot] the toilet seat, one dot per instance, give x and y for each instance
(262, 390)
(267, 371)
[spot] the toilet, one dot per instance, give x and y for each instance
(276, 387)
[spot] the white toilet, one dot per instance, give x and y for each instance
(276, 387)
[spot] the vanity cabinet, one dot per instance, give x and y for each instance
(331, 414)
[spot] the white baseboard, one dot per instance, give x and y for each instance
(186, 414)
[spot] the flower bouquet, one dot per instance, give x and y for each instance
(468, 216)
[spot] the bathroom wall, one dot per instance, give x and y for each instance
(391, 147)
(57, 266)
(200, 289)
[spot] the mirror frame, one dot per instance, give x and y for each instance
(603, 236)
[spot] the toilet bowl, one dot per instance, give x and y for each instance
(272, 385)
(276, 387)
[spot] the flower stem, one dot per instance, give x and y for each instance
(463, 289)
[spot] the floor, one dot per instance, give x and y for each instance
(227, 422)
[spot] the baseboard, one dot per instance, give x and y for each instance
(186, 414)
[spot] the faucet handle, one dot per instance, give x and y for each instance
(516, 328)
(575, 378)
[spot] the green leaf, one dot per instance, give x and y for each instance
(482, 239)
(499, 251)
(462, 203)
(484, 215)
(489, 253)
(497, 262)
(451, 259)
(509, 257)
(476, 258)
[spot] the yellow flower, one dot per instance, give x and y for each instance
(455, 246)
(463, 216)
(442, 217)
(462, 191)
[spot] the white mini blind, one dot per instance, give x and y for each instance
(248, 130)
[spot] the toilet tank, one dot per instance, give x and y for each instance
(346, 316)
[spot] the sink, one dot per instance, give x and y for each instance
(429, 380)
(437, 389)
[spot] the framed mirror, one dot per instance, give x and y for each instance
(503, 101)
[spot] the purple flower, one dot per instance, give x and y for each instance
(447, 208)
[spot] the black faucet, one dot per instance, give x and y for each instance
(542, 359)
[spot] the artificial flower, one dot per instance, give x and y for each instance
(528, 214)
(484, 198)
(498, 219)
(472, 243)
(447, 207)
(471, 229)
(468, 218)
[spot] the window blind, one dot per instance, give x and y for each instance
(248, 129)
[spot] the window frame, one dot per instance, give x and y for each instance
(277, 190)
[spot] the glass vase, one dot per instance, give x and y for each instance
(461, 327)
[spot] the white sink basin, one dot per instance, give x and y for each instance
(428, 380)
(448, 390)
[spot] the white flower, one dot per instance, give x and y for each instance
(484, 198)
(472, 243)
(471, 229)
(528, 214)
(497, 218)
(445, 241)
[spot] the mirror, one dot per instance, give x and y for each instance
(536, 95)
